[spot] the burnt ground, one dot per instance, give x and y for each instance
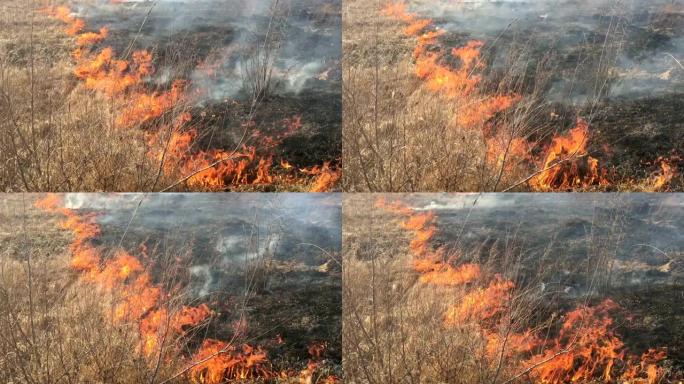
(296, 289)
(658, 319)
(641, 130)
(182, 34)
(611, 66)
(560, 239)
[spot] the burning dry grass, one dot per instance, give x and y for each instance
(55, 134)
(53, 324)
(112, 130)
(109, 319)
(417, 311)
(422, 116)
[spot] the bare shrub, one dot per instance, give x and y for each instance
(262, 53)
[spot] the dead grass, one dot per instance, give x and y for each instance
(398, 135)
(401, 136)
(394, 324)
(52, 324)
(54, 135)
(59, 327)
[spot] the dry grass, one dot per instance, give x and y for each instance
(58, 136)
(394, 324)
(58, 326)
(53, 325)
(54, 135)
(401, 136)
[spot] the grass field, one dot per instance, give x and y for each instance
(115, 97)
(84, 300)
(435, 100)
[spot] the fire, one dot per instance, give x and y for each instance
(397, 9)
(190, 317)
(566, 164)
(459, 85)
(586, 348)
(445, 274)
(481, 303)
(221, 361)
(138, 299)
(510, 345)
(418, 221)
(452, 83)
(326, 177)
(662, 179)
(500, 151)
(63, 14)
(137, 106)
(145, 107)
(90, 38)
(103, 72)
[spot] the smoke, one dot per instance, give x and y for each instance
(641, 232)
(226, 231)
(210, 41)
(638, 38)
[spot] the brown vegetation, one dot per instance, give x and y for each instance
(422, 309)
(75, 115)
(421, 114)
(75, 311)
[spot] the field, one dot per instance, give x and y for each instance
(574, 95)
(170, 95)
(135, 289)
(513, 288)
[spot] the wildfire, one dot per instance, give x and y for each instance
(137, 299)
(662, 179)
(458, 85)
(567, 165)
(481, 303)
(445, 274)
(137, 106)
(586, 349)
(145, 107)
(325, 177)
(221, 361)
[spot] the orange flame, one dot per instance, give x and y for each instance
(326, 177)
(566, 164)
(455, 84)
(103, 72)
(445, 274)
(138, 299)
(144, 107)
(586, 349)
(221, 361)
(662, 179)
(481, 303)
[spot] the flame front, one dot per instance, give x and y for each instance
(124, 82)
(586, 348)
(564, 164)
(567, 164)
(137, 299)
